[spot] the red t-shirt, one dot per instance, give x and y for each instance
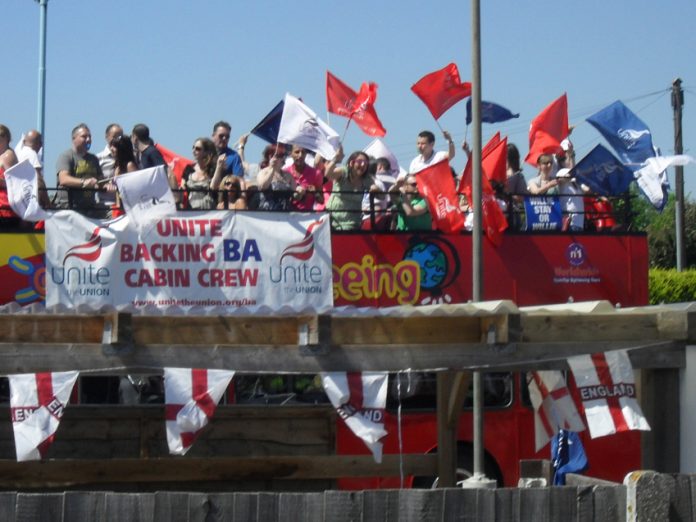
(308, 177)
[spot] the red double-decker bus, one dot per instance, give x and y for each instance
(372, 269)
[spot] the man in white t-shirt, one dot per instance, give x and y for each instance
(427, 155)
(28, 149)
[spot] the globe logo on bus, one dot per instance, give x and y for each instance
(575, 253)
(432, 262)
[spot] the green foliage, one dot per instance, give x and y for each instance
(661, 230)
(670, 286)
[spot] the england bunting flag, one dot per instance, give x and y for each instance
(360, 399)
(441, 89)
(554, 408)
(37, 402)
(191, 396)
(358, 106)
(436, 184)
(608, 392)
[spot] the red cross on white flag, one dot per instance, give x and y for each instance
(360, 399)
(608, 392)
(191, 396)
(554, 408)
(37, 402)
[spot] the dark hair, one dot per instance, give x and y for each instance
(384, 162)
(210, 150)
(223, 124)
(124, 153)
(142, 132)
(427, 135)
(109, 127)
(353, 157)
(5, 132)
(269, 151)
(513, 157)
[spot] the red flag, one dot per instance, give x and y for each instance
(548, 130)
(344, 101)
(180, 163)
(494, 221)
(436, 184)
(441, 89)
(494, 162)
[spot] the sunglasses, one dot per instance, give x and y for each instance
(197, 149)
(224, 136)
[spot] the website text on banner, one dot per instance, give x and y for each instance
(200, 260)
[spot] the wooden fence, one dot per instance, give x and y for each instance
(647, 496)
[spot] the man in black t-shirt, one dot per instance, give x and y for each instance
(146, 152)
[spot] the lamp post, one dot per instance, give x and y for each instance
(41, 108)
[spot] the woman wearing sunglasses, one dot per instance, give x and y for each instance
(204, 176)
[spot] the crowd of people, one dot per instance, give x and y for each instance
(361, 193)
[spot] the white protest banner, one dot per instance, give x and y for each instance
(360, 399)
(37, 402)
(146, 194)
(194, 261)
(608, 392)
(191, 396)
(23, 191)
(554, 408)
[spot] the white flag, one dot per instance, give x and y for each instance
(191, 396)
(652, 176)
(146, 194)
(608, 392)
(37, 402)
(360, 399)
(377, 149)
(299, 125)
(23, 191)
(554, 408)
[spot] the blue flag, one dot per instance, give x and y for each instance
(567, 456)
(490, 112)
(603, 173)
(626, 133)
(269, 127)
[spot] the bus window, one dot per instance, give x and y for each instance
(418, 391)
(278, 389)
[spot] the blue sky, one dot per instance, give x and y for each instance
(179, 66)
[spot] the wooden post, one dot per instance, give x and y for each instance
(659, 397)
(446, 434)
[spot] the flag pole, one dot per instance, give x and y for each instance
(43, 13)
(346, 129)
(479, 479)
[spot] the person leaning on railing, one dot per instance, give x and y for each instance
(232, 196)
(350, 183)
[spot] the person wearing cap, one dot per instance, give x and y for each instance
(571, 201)
(147, 154)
